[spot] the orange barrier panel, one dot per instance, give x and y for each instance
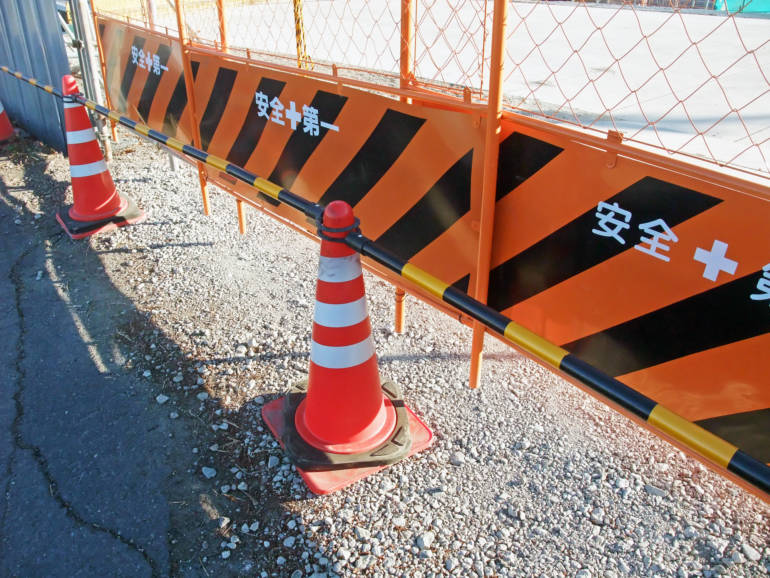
(145, 77)
(653, 276)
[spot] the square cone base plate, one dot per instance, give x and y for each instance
(81, 229)
(328, 481)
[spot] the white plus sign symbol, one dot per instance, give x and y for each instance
(715, 260)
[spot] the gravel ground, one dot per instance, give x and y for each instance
(528, 475)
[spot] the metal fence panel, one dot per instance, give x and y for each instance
(31, 41)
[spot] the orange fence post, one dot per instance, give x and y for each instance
(400, 297)
(407, 72)
(188, 82)
(103, 66)
(407, 44)
(491, 150)
(222, 25)
(241, 219)
(299, 31)
(151, 14)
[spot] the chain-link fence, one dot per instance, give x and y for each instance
(683, 77)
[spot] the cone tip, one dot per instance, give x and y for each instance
(338, 214)
(69, 85)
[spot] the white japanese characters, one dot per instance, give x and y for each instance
(763, 286)
(147, 60)
(275, 111)
(612, 221)
(609, 224)
(658, 231)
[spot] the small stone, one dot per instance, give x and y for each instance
(214, 447)
(203, 396)
(173, 415)
(223, 521)
(178, 378)
(146, 373)
(225, 489)
(280, 560)
(245, 528)
(243, 486)
(621, 483)
(750, 552)
(297, 574)
(457, 459)
(654, 490)
(225, 554)
(273, 461)
(399, 522)
(584, 573)
(289, 542)
(690, 533)
(161, 399)
(362, 533)
(208, 472)
(425, 540)
(254, 526)
(738, 558)
(451, 564)
(343, 553)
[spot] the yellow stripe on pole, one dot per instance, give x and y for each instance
(267, 187)
(535, 344)
(691, 435)
(217, 162)
(114, 116)
(142, 129)
(174, 144)
(425, 280)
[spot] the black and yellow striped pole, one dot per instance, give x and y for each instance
(702, 442)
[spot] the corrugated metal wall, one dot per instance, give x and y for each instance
(31, 42)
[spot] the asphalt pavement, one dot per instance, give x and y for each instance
(83, 456)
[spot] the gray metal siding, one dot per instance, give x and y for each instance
(31, 42)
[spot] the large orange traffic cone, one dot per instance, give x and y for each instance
(97, 204)
(6, 130)
(342, 424)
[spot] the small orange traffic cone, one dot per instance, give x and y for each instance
(6, 130)
(97, 204)
(342, 425)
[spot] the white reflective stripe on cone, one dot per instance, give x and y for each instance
(340, 315)
(2, 110)
(72, 104)
(341, 357)
(339, 269)
(88, 170)
(80, 136)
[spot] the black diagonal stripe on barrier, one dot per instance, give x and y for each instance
(747, 430)
(252, 128)
(388, 140)
(101, 31)
(521, 156)
(714, 318)
(302, 144)
(220, 96)
(130, 70)
(178, 102)
(151, 85)
(440, 208)
(463, 283)
(574, 248)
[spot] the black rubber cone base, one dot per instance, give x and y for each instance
(307, 457)
(131, 215)
(332, 477)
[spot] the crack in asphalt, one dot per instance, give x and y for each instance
(20, 444)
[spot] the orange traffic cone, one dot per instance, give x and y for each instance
(97, 204)
(342, 425)
(6, 130)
